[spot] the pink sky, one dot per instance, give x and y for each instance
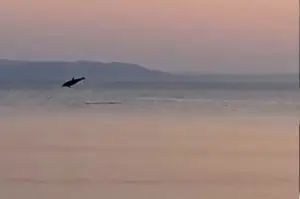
(201, 35)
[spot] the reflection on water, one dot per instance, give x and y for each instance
(92, 155)
(156, 144)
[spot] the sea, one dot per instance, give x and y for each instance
(131, 140)
(262, 99)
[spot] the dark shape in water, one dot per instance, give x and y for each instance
(72, 82)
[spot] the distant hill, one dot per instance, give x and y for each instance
(56, 72)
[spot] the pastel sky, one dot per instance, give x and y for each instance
(182, 35)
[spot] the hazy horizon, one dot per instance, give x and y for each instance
(178, 71)
(202, 36)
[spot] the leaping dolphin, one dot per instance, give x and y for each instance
(72, 82)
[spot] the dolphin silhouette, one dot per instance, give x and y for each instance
(73, 81)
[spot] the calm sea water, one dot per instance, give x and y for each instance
(191, 148)
(154, 98)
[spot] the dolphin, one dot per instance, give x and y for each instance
(72, 82)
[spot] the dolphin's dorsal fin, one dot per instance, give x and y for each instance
(73, 78)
